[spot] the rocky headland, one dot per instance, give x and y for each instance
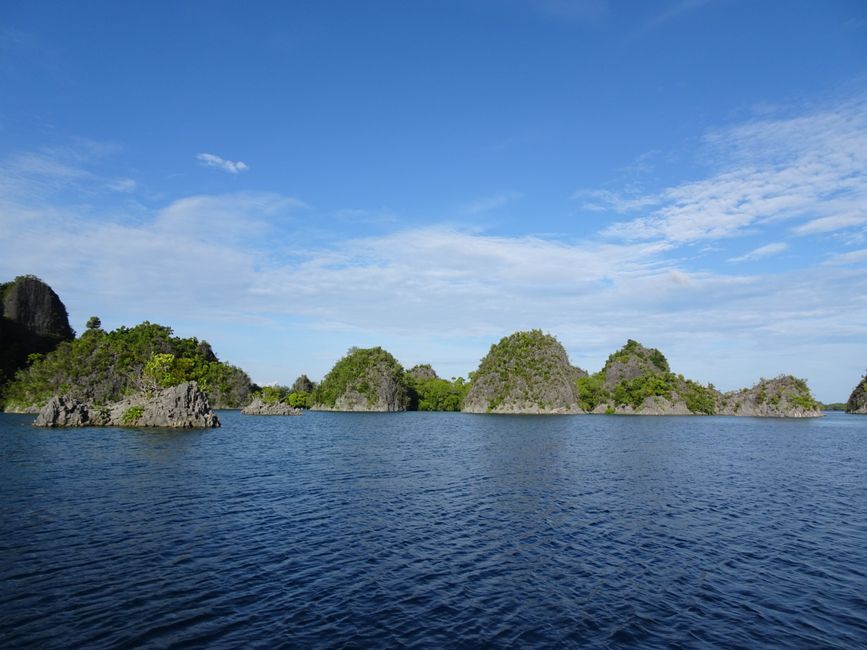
(525, 373)
(260, 407)
(858, 399)
(178, 407)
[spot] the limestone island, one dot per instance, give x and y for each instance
(857, 403)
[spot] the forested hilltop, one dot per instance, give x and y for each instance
(102, 367)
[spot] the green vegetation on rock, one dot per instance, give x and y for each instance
(526, 372)
(857, 402)
(102, 367)
(637, 379)
(366, 379)
(431, 393)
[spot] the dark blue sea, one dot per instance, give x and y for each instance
(436, 530)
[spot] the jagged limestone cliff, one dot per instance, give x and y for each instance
(858, 399)
(782, 397)
(179, 407)
(526, 372)
(368, 379)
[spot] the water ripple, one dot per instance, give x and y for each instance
(436, 530)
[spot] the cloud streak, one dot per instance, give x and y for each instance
(811, 169)
(761, 252)
(229, 166)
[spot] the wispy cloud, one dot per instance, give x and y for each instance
(489, 203)
(760, 252)
(811, 168)
(230, 166)
(852, 257)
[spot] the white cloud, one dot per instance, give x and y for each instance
(811, 168)
(232, 167)
(852, 257)
(760, 252)
(832, 223)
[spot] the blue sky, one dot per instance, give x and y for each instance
(287, 180)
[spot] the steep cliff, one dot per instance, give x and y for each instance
(368, 379)
(858, 399)
(526, 372)
(33, 320)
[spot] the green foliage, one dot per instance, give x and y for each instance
(698, 398)
(273, 394)
(438, 394)
(591, 391)
(131, 416)
(102, 367)
(634, 349)
(300, 399)
(633, 392)
(93, 323)
(354, 373)
(303, 385)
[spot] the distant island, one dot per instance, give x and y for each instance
(84, 379)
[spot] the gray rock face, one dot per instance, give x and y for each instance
(782, 397)
(258, 407)
(422, 373)
(34, 306)
(858, 399)
(180, 407)
(526, 373)
(366, 379)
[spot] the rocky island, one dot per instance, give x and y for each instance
(179, 407)
(366, 379)
(526, 373)
(858, 399)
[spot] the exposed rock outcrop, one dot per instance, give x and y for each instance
(638, 381)
(368, 379)
(258, 407)
(782, 397)
(526, 372)
(422, 372)
(858, 399)
(33, 320)
(181, 407)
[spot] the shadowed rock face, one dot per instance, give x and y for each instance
(526, 372)
(33, 320)
(858, 399)
(34, 306)
(180, 407)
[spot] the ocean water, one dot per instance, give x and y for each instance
(436, 530)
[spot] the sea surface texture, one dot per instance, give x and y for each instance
(436, 530)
